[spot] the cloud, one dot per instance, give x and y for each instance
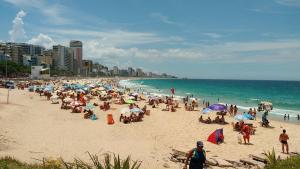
(229, 52)
(17, 31)
(294, 3)
(213, 35)
(42, 40)
(116, 37)
(162, 18)
(53, 12)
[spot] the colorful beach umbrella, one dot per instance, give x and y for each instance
(218, 107)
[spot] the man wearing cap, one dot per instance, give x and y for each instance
(197, 156)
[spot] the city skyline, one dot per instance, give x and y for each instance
(227, 40)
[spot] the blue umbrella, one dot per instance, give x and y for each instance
(206, 110)
(248, 116)
(136, 110)
(242, 117)
(89, 106)
(218, 107)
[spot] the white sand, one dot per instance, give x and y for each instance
(32, 128)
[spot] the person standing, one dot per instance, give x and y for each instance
(288, 117)
(284, 117)
(246, 133)
(197, 156)
(298, 117)
(283, 138)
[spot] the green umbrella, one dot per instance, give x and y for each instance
(129, 102)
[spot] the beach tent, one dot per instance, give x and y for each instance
(218, 107)
(216, 137)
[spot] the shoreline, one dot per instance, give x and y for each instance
(271, 116)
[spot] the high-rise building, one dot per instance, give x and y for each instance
(115, 70)
(87, 67)
(131, 71)
(76, 47)
(139, 72)
(47, 58)
(60, 57)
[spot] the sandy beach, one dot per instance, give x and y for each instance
(32, 128)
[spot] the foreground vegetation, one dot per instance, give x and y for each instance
(107, 163)
(273, 162)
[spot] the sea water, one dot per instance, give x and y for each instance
(285, 95)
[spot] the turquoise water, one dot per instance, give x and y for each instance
(285, 95)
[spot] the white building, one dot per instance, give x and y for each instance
(38, 72)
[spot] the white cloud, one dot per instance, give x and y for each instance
(213, 35)
(17, 31)
(116, 37)
(43, 40)
(230, 52)
(295, 3)
(53, 12)
(163, 18)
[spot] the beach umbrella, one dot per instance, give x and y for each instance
(129, 102)
(248, 116)
(218, 107)
(101, 88)
(131, 97)
(89, 106)
(134, 94)
(136, 110)
(54, 97)
(75, 103)
(80, 91)
(240, 117)
(68, 100)
(206, 110)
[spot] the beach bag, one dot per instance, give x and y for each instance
(110, 119)
(239, 138)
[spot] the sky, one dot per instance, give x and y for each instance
(232, 39)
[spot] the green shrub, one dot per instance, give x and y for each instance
(274, 162)
(107, 163)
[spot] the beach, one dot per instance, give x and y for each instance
(32, 128)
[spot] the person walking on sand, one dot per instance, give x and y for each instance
(283, 139)
(197, 156)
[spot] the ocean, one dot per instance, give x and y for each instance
(285, 95)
